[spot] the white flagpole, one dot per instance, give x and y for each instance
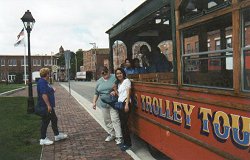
(24, 62)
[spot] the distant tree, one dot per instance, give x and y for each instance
(76, 57)
(18, 78)
(79, 55)
(61, 60)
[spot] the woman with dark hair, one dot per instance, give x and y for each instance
(123, 92)
(103, 89)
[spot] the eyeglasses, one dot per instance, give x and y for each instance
(104, 73)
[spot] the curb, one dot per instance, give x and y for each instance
(12, 91)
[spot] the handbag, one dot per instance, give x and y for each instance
(109, 99)
(119, 105)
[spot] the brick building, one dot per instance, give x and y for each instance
(94, 59)
(119, 54)
(11, 65)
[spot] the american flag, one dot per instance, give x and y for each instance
(20, 38)
(20, 34)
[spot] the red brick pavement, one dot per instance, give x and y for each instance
(86, 136)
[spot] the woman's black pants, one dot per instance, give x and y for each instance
(124, 126)
(45, 122)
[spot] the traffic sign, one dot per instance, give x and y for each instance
(54, 68)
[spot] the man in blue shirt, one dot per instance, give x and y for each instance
(137, 68)
(128, 67)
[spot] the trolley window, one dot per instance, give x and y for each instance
(146, 50)
(246, 49)
(207, 54)
(192, 9)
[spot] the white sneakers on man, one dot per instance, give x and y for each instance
(110, 138)
(61, 136)
(45, 141)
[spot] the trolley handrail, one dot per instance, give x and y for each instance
(208, 52)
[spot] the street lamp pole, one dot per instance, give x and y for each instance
(28, 22)
(76, 62)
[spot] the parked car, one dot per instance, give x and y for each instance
(80, 76)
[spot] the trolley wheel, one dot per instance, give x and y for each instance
(157, 154)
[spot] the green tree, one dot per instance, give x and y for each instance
(75, 62)
(79, 56)
(19, 78)
(61, 60)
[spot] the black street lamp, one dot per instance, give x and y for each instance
(28, 22)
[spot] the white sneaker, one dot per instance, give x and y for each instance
(109, 138)
(45, 141)
(61, 136)
(118, 140)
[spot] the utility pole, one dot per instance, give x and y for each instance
(94, 47)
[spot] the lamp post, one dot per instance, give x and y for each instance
(28, 22)
(51, 71)
(94, 47)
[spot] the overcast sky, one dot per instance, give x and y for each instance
(70, 23)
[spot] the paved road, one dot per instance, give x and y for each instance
(86, 90)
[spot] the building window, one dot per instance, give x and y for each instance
(47, 62)
(208, 45)
(12, 62)
(196, 47)
(2, 62)
(11, 78)
(188, 48)
(217, 44)
(229, 42)
(3, 77)
(22, 62)
(39, 62)
(36, 62)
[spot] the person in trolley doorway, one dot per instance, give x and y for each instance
(46, 99)
(123, 92)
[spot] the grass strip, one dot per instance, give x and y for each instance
(4, 87)
(19, 132)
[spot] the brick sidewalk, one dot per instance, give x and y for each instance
(86, 136)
